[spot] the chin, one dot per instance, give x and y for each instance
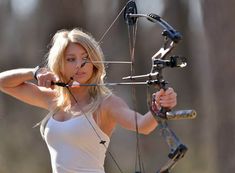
(81, 81)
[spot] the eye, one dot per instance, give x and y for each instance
(70, 59)
(86, 59)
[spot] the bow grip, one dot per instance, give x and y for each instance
(162, 112)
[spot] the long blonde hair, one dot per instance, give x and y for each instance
(55, 63)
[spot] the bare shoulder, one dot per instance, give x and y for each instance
(113, 106)
(114, 102)
(110, 108)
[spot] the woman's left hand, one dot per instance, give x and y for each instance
(166, 99)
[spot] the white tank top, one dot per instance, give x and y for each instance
(74, 145)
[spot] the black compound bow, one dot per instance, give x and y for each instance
(155, 78)
(160, 60)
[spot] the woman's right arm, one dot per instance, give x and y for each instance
(16, 83)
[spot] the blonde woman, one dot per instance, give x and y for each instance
(81, 120)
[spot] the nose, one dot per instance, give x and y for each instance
(80, 64)
(83, 64)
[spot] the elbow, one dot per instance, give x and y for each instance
(147, 127)
(146, 131)
(1, 81)
(1, 85)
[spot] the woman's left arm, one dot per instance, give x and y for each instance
(124, 116)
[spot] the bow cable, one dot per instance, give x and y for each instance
(102, 142)
(132, 25)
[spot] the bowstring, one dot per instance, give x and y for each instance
(132, 51)
(81, 109)
(132, 35)
(132, 43)
(99, 43)
(102, 142)
(110, 26)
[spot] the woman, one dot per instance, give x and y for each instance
(81, 119)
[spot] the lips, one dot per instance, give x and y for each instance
(80, 74)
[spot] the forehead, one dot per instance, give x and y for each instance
(75, 48)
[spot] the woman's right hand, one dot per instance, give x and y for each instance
(46, 78)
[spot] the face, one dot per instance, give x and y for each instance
(76, 64)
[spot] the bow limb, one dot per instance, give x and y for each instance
(177, 149)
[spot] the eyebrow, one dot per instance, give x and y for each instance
(84, 53)
(71, 54)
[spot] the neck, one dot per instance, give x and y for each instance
(81, 95)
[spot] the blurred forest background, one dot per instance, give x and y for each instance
(206, 84)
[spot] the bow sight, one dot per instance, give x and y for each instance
(155, 78)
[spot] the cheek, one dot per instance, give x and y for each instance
(91, 70)
(67, 72)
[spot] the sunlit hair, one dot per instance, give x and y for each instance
(56, 59)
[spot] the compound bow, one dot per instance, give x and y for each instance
(160, 60)
(155, 78)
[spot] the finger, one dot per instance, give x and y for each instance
(166, 97)
(168, 103)
(53, 81)
(169, 91)
(40, 80)
(44, 81)
(48, 83)
(159, 93)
